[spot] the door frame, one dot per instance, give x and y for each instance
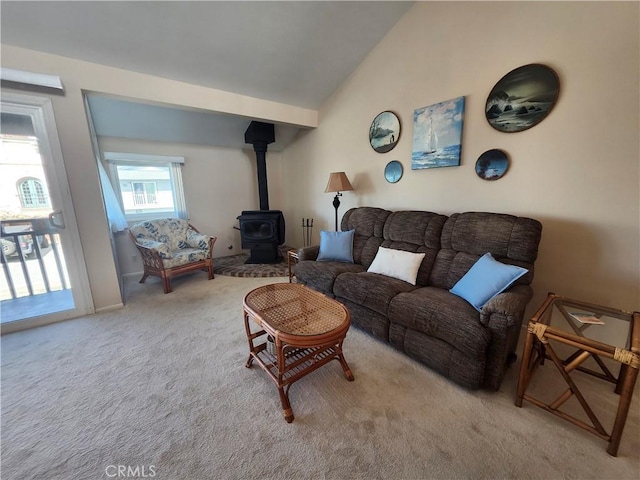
(40, 109)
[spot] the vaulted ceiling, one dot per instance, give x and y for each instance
(292, 52)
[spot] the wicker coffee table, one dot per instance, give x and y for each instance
(300, 330)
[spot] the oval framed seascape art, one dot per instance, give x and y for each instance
(393, 171)
(522, 98)
(384, 132)
(492, 164)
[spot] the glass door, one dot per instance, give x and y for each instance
(43, 277)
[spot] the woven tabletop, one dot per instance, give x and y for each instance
(295, 309)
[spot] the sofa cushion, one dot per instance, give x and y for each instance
(414, 228)
(441, 314)
(368, 223)
(466, 236)
(322, 275)
(336, 246)
(161, 248)
(170, 231)
(486, 279)
(467, 371)
(197, 240)
(397, 264)
(417, 232)
(366, 319)
(370, 290)
(184, 256)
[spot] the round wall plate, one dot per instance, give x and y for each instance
(522, 98)
(492, 164)
(384, 132)
(393, 171)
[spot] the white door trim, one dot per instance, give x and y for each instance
(41, 111)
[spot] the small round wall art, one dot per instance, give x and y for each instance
(492, 164)
(522, 98)
(384, 132)
(393, 171)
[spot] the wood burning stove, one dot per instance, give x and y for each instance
(262, 231)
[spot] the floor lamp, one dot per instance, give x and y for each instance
(338, 182)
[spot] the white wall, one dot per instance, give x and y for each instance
(219, 183)
(78, 76)
(577, 172)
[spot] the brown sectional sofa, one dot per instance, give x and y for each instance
(426, 321)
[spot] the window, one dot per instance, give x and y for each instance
(32, 193)
(147, 186)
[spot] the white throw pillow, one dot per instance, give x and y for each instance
(397, 264)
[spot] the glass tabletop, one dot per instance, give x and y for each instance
(596, 322)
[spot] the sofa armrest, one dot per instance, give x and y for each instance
(198, 240)
(502, 315)
(308, 253)
(161, 249)
(150, 256)
(510, 303)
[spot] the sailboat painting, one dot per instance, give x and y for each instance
(437, 135)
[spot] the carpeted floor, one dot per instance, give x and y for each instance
(160, 387)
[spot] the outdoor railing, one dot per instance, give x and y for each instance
(26, 271)
(144, 199)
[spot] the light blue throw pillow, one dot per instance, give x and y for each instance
(336, 246)
(486, 279)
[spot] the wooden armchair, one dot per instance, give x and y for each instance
(170, 247)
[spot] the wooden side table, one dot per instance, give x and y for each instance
(539, 346)
(292, 259)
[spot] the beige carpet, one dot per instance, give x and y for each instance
(160, 387)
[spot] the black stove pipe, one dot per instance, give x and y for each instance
(263, 191)
(260, 135)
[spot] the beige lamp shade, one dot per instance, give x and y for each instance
(338, 182)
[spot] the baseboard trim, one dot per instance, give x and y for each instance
(134, 274)
(110, 308)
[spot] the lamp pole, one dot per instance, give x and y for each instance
(336, 205)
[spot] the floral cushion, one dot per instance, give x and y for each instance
(159, 247)
(173, 238)
(197, 240)
(182, 257)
